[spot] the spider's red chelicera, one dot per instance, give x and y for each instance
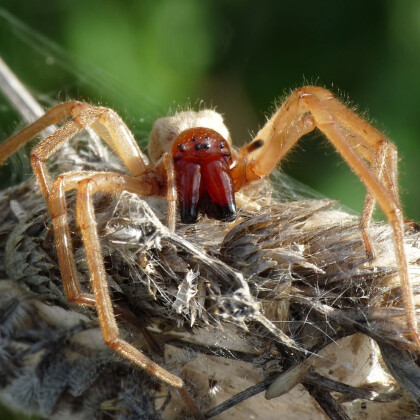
(202, 160)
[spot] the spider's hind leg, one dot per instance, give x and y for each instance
(384, 166)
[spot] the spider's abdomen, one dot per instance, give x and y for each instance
(202, 161)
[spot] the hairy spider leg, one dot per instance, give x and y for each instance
(104, 121)
(374, 147)
(58, 210)
(356, 141)
(51, 117)
(111, 183)
(171, 195)
(377, 166)
(112, 129)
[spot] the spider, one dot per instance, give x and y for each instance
(196, 167)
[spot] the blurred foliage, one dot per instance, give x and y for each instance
(144, 57)
(6, 414)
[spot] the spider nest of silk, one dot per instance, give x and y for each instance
(275, 289)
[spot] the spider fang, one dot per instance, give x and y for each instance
(203, 176)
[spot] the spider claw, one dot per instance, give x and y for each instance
(228, 212)
(225, 213)
(189, 213)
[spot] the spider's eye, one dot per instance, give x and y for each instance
(194, 139)
(181, 147)
(222, 144)
(202, 146)
(207, 137)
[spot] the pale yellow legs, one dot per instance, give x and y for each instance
(111, 183)
(358, 143)
(111, 128)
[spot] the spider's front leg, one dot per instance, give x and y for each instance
(58, 210)
(111, 183)
(57, 204)
(104, 121)
(369, 154)
(111, 129)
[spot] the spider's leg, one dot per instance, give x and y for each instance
(54, 116)
(270, 145)
(377, 166)
(58, 210)
(391, 172)
(171, 196)
(53, 142)
(356, 141)
(107, 124)
(373, 146)
(104, 121)
(112, 129)
(114, 183)
(328, 119)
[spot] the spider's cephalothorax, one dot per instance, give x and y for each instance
(199, 145)
(202, 160)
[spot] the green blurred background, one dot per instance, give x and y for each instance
(146, 57)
